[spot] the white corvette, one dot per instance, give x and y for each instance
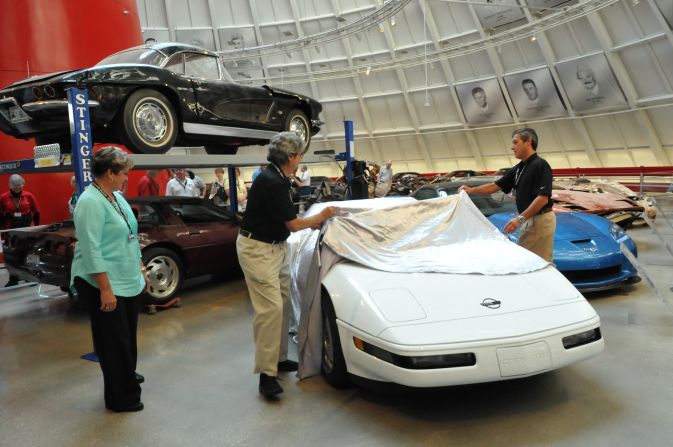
(429, 296)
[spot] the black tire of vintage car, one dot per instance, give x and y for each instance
(164, 269)
(149, 123)
(333, 365)
(297, 122)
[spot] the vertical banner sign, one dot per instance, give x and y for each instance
(350, 153)
(80, 134)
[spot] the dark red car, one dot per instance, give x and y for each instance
(180, 237)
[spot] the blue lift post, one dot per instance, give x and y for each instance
(348, 155)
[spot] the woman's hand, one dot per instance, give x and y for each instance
(108, 301)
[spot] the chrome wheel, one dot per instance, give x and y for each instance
(151, 121)
(164, 275)
(298, 125)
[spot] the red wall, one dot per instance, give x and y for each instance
(54, 35)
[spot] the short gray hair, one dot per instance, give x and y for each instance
(16, 180)
(283, 145)
(109, 158)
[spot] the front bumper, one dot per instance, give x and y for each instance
(499, 359)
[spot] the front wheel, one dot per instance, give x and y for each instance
(333, 364)
(164, 269)
(297, 122)
(149, 123)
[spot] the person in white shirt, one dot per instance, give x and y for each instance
(198, 183)
(385, 180)
(181, 185)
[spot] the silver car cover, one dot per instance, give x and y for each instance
(444, 235)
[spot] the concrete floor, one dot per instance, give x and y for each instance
(200, 390)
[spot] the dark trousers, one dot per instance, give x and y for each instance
(114, 340)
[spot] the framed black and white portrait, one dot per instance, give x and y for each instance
(495, 13)
(236, 39)
(534, 94)
(482, 102)
(590, 83)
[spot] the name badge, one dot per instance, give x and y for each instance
(17, 214)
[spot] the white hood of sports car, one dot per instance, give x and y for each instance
(430, 307)
(448, 235)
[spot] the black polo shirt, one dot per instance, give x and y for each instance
(269, 206)
(529, 179)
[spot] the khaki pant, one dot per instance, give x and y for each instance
(382, 189)
(537, 235)
(267, 273)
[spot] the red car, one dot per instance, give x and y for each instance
(180, 237)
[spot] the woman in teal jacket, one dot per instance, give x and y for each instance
(109, 276)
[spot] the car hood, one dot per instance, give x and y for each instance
(569, 227)
(421, 308)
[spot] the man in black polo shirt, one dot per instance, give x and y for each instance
(530, 182)
(262, 252)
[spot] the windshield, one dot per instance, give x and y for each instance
(146, 56)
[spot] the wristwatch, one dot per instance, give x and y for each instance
(521, 219)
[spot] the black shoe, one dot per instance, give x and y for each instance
(138, 406)
(140, 378)
(11, 283)
(268, 385)
(288, 365)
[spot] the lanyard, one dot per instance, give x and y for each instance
(517, 176)
(117, 208)
(289, 189)
(17, 204)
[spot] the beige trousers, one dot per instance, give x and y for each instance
(382, 189)
(537, 235)
(267, 273)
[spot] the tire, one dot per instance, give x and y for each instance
(297, 122)
(221, 150)
(333, 365)
(149, 123)
(165, 271)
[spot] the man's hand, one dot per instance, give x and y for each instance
(512, 225)
(467, 189)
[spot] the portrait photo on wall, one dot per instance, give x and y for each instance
(534, 94)
(482, 102)
(495, 13)
(590, 83)
(237, 39)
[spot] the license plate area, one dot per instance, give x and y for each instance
(33, 260)
(523, 360)
(17, 115)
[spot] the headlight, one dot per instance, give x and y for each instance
(583, 338)
(417, 362)
(616, 232)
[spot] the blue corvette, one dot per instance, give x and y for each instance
(586, 246)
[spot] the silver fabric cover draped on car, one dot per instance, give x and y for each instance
(447, 235)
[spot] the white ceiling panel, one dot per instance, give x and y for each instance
(389, 107)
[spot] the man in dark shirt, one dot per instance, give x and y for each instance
(530, 182)
(262, 252)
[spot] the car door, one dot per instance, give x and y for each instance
(209, 237)
(223, 102)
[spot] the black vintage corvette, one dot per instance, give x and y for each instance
(153, 97)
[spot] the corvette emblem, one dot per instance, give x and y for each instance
(591, 249)
(491, 303)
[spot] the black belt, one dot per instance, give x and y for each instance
(544, 210)
(249, 235)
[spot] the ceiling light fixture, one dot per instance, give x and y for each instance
(381, 28)
(369, 70)
(392, 21)
(533, 38)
